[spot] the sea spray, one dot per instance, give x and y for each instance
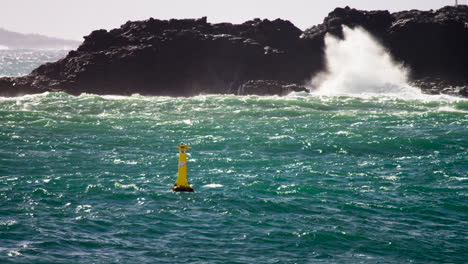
(359, 64)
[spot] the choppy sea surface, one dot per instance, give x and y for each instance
(305, 178)
(20, 62)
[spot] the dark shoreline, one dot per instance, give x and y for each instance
(190, 56)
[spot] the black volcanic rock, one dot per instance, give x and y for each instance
(432, 44)
(191, 56)
(269, 87)
(176, 57)
(376, 22)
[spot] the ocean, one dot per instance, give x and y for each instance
(339, 177)
(20, 62)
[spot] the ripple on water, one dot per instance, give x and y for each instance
(302, 178)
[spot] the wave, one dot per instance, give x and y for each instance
(358, 64)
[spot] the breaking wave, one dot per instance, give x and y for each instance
(359, 64)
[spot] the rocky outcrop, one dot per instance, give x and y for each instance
(376, 22)
(269, 87)
(432, 44)
(175, 57)
(436, 85)
(191, 56)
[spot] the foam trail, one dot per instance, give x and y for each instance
(358, 64)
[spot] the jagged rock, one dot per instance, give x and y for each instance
(376, 22)
(184, 57)
(436, 85)
(432, 44)
(269, 87)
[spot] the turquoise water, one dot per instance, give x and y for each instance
(296, 179)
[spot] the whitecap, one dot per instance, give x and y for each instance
(128, 162)
(13, 253)
(213, 185)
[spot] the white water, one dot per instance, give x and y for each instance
(358, 65)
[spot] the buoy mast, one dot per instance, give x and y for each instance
(182, 184)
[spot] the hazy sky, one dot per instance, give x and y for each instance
(73, 19)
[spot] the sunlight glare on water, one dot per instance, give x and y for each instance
(296, 179)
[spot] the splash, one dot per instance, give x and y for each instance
(358, 64)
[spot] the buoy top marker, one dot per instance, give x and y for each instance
(182, 184)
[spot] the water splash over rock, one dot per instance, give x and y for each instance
(189, 57)
(359, 64)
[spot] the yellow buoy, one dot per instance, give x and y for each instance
(181, 184)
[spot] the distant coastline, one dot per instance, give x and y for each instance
(14, 40)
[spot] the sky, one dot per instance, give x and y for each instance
(73, 19)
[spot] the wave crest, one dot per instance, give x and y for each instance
(359, 64)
